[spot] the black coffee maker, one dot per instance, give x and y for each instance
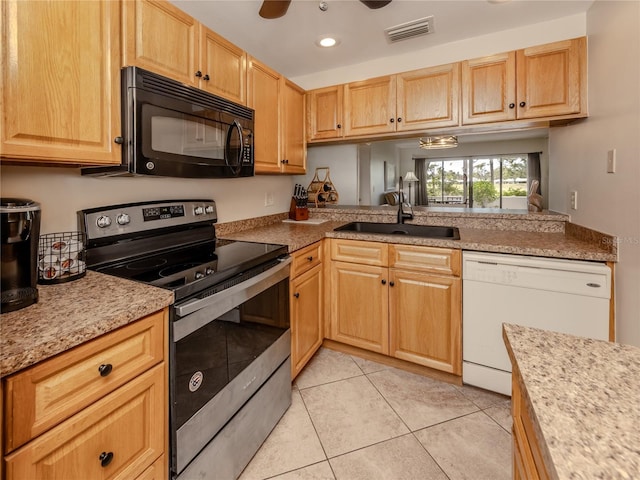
(20, 232)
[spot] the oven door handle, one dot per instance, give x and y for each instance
(196, 313)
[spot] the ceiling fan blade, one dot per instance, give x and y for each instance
(274, 8)
(376, 3)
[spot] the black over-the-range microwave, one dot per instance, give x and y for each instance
(170, 129)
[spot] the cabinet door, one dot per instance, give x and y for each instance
(324, 115)
(307, 300)
(552, 79)
(359, 306)
(263, 90)
(225, 66)
(161, 38)
(489, 89)
(61, 81)
(129, 424)
(425, 319)
(370, 106)
(428, 98)
(294, 156)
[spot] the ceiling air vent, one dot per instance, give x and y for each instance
(414, 28)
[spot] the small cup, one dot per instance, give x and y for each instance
(78, 267)
(50, 272)
(47, 261)
(67, 263)
(59, 247)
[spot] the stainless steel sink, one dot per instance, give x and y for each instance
(425, 231)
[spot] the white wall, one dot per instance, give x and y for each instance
(608, 202)
(342, 161)
(561, 29)
(62, 192)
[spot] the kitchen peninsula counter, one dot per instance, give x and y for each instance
(544, 235)
(582, 397)
(68, 314)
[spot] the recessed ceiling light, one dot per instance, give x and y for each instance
(327, 41)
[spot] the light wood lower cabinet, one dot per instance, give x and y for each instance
(398, 300)
(527, 458)
(99, 410)
(307, 305)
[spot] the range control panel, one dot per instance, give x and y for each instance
(139, 217)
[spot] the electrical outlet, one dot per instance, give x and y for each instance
(268, 199)
(573, 198)
(611, 161)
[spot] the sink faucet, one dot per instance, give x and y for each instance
(402, 215)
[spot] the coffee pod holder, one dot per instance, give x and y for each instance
(322, 191)
(62, 257)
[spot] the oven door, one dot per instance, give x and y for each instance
(223, 348)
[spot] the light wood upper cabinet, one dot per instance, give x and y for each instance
(489, 89)
(552, 79)
(294, 154)
(162, 38)
(324, 113)
(416, 100)
(279, 125)
(370, 106)
(61, 82)
(537, 82)
(428, 98)
(263, 95)
(225, 65)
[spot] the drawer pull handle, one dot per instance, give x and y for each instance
(310, 259)
(105, 458)
(105, 369)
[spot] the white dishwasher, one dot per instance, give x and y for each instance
(568, 296)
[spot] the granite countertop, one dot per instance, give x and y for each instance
(68, 314)
(583, 395)
(544, 244)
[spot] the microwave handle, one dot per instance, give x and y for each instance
(236, 169)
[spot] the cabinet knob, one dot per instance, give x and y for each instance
(297, 295)
(206, 77)
(392, 120)
(522, 104)
(399, 119)
(391, 284)
(339, 125)
(384, 282)
(512, 105)
(119, 140)
(310, 258)
(198, 74)
(105, 458)
(284, 160)
(105, 369)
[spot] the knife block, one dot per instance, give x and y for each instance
(297, 212)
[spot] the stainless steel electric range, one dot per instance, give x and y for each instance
(229, 362)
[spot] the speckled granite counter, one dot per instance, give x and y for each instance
(522, 242)
(69, 314)
(583, 396)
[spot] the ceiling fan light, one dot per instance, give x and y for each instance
(437, 142)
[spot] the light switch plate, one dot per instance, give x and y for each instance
(611, 161)
(573, 198)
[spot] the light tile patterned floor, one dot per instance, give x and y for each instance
(353, 419)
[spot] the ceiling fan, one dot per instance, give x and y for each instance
(277, 8)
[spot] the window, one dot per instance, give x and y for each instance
(494, 181)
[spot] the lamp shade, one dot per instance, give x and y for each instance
(411, 177)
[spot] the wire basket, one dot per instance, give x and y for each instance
(61, 257)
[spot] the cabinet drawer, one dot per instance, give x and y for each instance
(129, 424)
(306, 258)
(155, 471)
(44, 395)
(358, 251)
(445, 261)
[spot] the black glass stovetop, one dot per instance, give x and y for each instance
(196, 267)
